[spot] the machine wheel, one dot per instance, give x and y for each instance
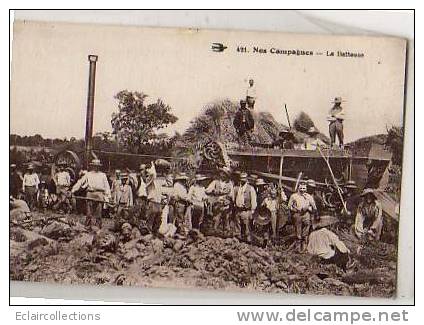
(71, 159)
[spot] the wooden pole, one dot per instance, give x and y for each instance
(339, 191)
(281, 171)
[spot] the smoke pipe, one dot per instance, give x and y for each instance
(90, 107)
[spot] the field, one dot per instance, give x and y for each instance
(57, 248)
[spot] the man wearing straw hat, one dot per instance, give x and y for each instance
(197, 198)
(221, 196)
(62, 180)
(98, 192)
(314, 192)
(351, 198)
(245, 206)
(313, 142)
(271, 203)
(30, 184)
(261, 188)
(369, 217)
(180, 202)
(336, 117)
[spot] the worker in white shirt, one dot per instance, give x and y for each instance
(117, 187)
(272, 204)
(245, 206)
(62, 180)
(327, 245)
(180, 202)
(336, 117)
(30, 184)
(313, 142)
(98, 192)
(197, 198)
(221, 197)
(251, 94)
(154, 197)
(302, 205)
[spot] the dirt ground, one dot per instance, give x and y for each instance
(58, 248)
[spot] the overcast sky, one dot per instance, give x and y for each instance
(50, 75)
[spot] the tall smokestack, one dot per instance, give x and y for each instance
(90, 107)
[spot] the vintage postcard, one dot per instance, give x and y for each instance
(213, 159)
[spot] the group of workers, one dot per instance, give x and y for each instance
(228, 203)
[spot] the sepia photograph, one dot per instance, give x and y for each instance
(243, 161)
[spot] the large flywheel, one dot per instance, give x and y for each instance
(70, 159)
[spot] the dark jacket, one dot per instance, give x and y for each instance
(243, 121)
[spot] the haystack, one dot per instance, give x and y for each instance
(216, 122)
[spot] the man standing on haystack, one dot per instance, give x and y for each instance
(336, 117)
(251, 94)
(243, 122)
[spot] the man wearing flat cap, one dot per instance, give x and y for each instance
(336, 117)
